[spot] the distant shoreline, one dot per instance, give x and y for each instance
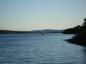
(30, 32)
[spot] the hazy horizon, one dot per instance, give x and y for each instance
(41, 14)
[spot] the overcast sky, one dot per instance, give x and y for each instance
(41, 14)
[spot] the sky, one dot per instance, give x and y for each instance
(41, 14)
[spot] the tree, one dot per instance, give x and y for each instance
(84, 24)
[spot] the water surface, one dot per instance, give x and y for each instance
(39, 49)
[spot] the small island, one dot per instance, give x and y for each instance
(80, 34)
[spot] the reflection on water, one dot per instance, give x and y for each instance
(84, 51)
(38, 49)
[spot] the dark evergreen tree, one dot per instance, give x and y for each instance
(84, 24)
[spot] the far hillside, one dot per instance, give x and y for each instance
(30, 32)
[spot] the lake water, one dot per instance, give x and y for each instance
(39, 49)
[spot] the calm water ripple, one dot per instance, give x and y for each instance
(38, 49)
